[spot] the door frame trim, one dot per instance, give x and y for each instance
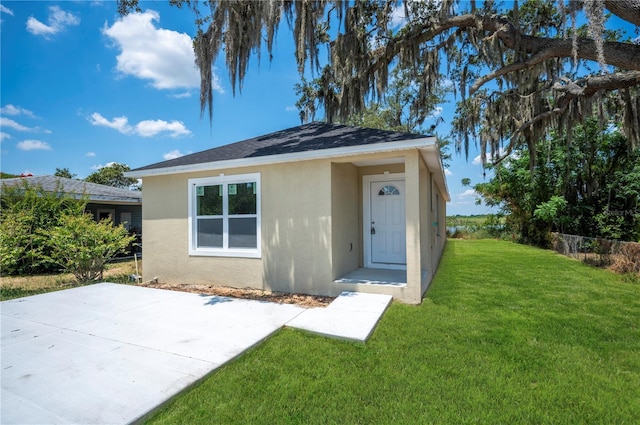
(366, 218)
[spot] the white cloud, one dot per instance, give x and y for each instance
(436, 112)
(466, 193)
(6, 122)
(448, 172)
(290, 108)
(146, 128)
(150, 128)
(99, 166)
(398, 16)
(447, 84)
(182, 95)
(32, 145)
(4, 136)
(90, 154)
(57, 21)
(173, 154)
(16, 110)
(162, 56)
(118, 123)
(38, 28)
(478, 160)
(6, 10)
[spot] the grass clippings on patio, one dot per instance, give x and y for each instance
(506, 334)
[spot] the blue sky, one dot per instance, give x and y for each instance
(82, 87)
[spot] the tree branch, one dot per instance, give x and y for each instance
(619, 80)
(518, 66)
(585, 87)
(621, 55)
(629, 10)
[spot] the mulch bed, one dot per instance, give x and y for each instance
(250, 294)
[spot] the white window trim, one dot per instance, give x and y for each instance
(224, 180)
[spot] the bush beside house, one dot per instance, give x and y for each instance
(41, 231)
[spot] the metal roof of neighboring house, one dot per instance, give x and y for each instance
(95, 192)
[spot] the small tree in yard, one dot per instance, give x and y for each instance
(83, 246)
(27, 211)
(14, 240)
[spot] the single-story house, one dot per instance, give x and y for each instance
(123, 206)
(315, 209)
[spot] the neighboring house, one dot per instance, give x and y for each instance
(315, 209)
(123, 206)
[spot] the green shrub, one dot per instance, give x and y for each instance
(14, 234)
(28, 211)
(83, 246)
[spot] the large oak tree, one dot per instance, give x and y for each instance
(518, 70)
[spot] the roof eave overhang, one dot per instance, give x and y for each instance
(288, 157)
(110, 201)
(428, 146)
(113, 202)
(105, 199)
(431, 156)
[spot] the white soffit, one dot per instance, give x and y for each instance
(381, 161)
(431, 156)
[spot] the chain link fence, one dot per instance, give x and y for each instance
(621, 257)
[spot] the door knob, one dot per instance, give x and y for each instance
(373, 230)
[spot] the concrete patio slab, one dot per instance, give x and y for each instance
(109, 353)
(353, 316)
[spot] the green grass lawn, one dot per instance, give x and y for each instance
(506, 334)
(23, 286)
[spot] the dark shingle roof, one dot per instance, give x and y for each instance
(309, 137)
(95, 192)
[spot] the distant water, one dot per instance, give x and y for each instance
(453, 229)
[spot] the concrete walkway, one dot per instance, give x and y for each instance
(110, 353)
(352, 316)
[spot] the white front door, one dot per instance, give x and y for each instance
(387, 225)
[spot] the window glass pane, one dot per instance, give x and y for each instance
(243, 233)
(242, 198)
(209, 233)
(389, 190)
(209, 200)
